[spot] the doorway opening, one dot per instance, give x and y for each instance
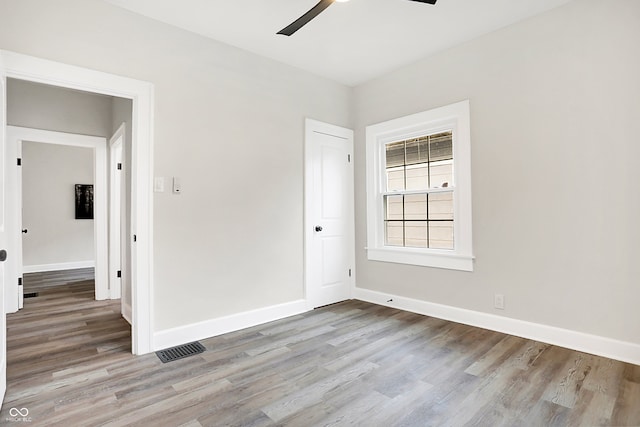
(57, 240)
(23, 67)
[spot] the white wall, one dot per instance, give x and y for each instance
(47, 107)
(49, 175)
(555, 102)
(219, 113)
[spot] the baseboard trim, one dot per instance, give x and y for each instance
(58, 267)
(126, 312)
(593, 344)
(214, 327)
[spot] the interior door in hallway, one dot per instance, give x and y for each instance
(329, 222)
(115, 214)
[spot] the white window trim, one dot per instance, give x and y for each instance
(453, 117)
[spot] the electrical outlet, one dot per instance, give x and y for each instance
(498, 301)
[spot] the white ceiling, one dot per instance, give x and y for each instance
(349, 42)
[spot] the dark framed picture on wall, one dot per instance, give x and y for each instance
(84, 201)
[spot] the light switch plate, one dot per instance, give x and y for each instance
(158, 184)
(177, 185)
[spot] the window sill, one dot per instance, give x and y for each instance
(438, 259)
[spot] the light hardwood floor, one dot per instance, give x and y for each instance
(352, 363)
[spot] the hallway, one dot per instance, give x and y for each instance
(62, 337)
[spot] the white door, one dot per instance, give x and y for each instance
(329, 218)
(115, 214)
(17, 257)
(13, 221)
(3, 237)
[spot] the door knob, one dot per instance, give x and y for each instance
(25, 231)
(318, 228)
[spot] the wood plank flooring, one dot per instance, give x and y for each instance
(352, 363)
(34, 282)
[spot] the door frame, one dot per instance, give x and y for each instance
(314, 126)
(24, 67)
(15, 136)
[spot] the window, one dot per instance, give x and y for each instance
(419, 189)
(418, 200)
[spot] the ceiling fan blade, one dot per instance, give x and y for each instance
(426, 1)
(304, 19)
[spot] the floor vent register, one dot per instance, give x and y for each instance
(180, 352)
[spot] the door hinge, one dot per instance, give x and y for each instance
(349, 272)
(135, 238)
(19, 281)
(119, 166)
(119, 274)
(19, 161)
